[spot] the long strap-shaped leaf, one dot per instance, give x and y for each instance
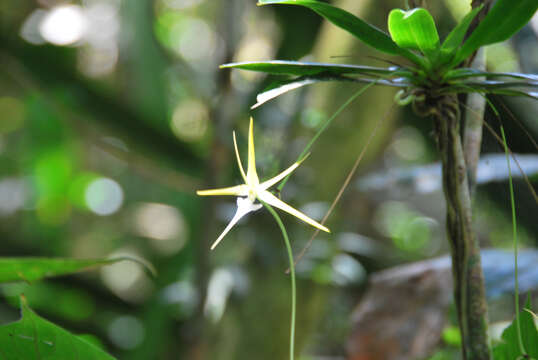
(283, 87)
(512, 89)
(368, 33)
(456, 36)
(301, 68)
(31, 269)
(462, 73)
(504, 19)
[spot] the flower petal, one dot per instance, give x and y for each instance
(244, 206)
(252, 176)
(238, 190)
(276, 202)
(239, 159)
(268, 183)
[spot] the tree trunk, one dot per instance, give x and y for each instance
(469, 291)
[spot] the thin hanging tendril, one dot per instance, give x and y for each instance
(292, 273)
(325, 125)
(514, 232)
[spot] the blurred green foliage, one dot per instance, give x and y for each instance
(113, 112)
(509, 346)
(33, 337)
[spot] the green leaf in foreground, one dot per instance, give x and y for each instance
(414, 29)
(305, 68)
(369, 34)
(32, 269)
(456, 36)
(509, 348)
(504, 19)
(33, 337)
(281, 87)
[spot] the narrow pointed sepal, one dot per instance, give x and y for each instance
(238, 190)
(252, 176)
(244, 206)
(276, 202)
(268, 183)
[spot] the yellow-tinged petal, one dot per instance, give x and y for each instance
(239, 159)
(252, 176)
(268, 183)
(238, 190)
(276, 202)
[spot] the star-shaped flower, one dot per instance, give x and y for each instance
(253, 190)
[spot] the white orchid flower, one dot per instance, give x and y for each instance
(253, 190)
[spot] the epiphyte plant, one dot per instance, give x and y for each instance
(253, 190)
(431, 77)
(434, 68)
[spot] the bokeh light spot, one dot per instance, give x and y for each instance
(347, 270)
(312, 118)
(197, 40)
(219, 289)
(409, 144)
(190, 120)
(13, 193)
(127, 279)
(408, 229)
(30, 28)
(180, 4)
(164, 225)
(502, 57)
(104, 196)
(63, 25)
(126, 332)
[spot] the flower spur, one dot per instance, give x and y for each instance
(253, 190)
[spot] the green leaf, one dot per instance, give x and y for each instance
(33, 337)
(509, 348)
(310, 73)
(368, 33)
(464, 73)
(456, 36)
(32, 269)
(414, 29)
(299, 68)
(492, 87)
(504, 19)
(281, 87)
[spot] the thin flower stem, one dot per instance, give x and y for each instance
(344, 185)
(499, 140)
(325, 125)
(514, 232)
(292, 272)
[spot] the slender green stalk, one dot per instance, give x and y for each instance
(514, 232)
(325, 125)
(292, 273)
